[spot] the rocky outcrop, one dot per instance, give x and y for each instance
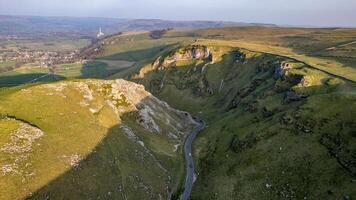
(281, 70)
(189, 53)
(19, 148)
(239, 56)
(285, 79)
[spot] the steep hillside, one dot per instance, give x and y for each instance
(276, 127)
(89, 139)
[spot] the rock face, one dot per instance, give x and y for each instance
(191, 52)
(281, 70)
(286, 79)
(239, 56)
(124, 96)
(150, 109)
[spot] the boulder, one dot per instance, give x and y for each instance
(287, 119)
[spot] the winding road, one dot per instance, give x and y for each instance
(190, 177)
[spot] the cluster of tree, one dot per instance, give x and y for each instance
(157, 34)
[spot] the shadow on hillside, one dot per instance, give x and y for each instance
(138, 55)
(94, 177)
(16, 80)
(94, 69)
(98, 70)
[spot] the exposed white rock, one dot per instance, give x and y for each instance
(141, 143)
(22, 139)
(173, 136)
(176, 147)
(86, 92)
(145, 119)
(20, 147)
(73, 160)
(56, 87)
(93, 110)
(129, 132)
(9, 168)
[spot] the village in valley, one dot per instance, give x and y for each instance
(19, 55)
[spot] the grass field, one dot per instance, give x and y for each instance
(99, 69)
(92, 69)
(26, 75)
(55, 44)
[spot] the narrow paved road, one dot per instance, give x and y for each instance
(189, 179)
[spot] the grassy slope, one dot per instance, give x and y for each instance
(99, 69)
(264, 157)
(25, 75)
(249, 152)
(111, 165)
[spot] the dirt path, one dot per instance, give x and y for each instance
(342, 45)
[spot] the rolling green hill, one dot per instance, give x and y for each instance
(89, 139)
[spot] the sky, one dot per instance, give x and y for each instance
(281, 12)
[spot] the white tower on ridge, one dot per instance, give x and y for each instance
(100, 34)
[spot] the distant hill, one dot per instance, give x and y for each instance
(27, 26)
